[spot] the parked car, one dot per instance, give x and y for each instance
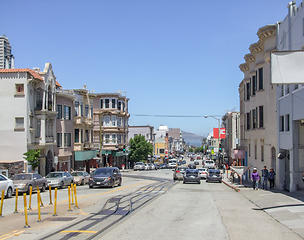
(203, 172)
(152, 166)
(24, 181)
(178, 173)
(81, 177)
(106, 176)
(147, 166)
(139, 166)
(214, 175)
(59, 179)
(191, 175)
(7, 185)
(209, 164)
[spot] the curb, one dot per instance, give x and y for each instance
(229, 185)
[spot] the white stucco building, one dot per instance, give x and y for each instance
(28, 107)
(290, 106)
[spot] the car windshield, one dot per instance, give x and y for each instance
(54, 175)
(214, 171)
(23, 177)
(181, 169)
(77, 174)
(139, 163)
(105, 171)
(191, 170)
(209, 161)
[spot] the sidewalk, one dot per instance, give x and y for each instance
(285, 207)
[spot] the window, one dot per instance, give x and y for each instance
(262, 153)
(67, 139)
(123, 106)
(287, 124)
(118, 138)
(161, 151)
(248, 121)
(281, 123)
(59, 139)
(253, 85)
(114, 138)
(101, 103)
(119, 105)
(92, 136)
(87, 136)
(86, 111)
(261, 116)
(113, 118)
(49, 128)
(119, 121)
(19, 122)
(19, 88)
(76, 109)
(107, 103)
(107, 138)
(81, 109)
(261, 81)
(253, 118)
(282, 90)
(247, 91)
(76, 140)
(59, 111)
(124, 139)
(106, 120)
(255, 150)
(296, 86)
(286, 88)
(92, 112)
(38, 128)
(81, 135)
(114, 103)
(67, 112)
(249, 149)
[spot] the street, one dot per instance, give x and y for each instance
(161, 209)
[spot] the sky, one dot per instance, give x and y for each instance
(172, 57)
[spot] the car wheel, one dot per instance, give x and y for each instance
(206, 180)
(184, 182)
(61, 185)
(43, 188)
(220, 181)
(29, 189)
(119, 184)
(9, 192)
(82, 182)
(113, 184)
(90, 186)
(199, 182)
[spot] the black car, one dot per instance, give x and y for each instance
(214, 175)
(192, 175)
(106, 176)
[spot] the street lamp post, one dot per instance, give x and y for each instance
(219, 137)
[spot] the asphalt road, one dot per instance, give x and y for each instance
(185, 211)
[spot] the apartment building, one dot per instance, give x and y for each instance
(146, 131)
(258, 103)
(6, 57)
(28, 107)
(111, 119)
(290, 107)
(84, 152)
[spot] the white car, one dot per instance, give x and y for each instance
(7, 185)
(147, 166)
(203, 172)
(209, 164)
(139, 166)
(172, 163)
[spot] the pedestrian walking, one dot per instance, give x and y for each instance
(255, 179)
(264, 177)
(271, 176)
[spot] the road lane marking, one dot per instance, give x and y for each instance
(78, 231)
(8, 235)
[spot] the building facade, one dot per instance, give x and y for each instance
(258, 103)
(290, 108)
(146, 131)
(28, 106)
(6, 57)
(111, 119)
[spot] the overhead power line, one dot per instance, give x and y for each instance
(172, 116)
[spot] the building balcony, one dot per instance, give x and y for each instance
(78, 120)
(88, 145)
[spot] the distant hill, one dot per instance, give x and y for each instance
(192, 139)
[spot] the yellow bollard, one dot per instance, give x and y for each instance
(41, 203)
(55, 203)
(50, 193)
(1, 207)
(38, 203)
(69, 188)
(25, 211)
(16, 201)
(30, 200)
(76, 203)
(72, 188)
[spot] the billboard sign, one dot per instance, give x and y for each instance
(222, 134)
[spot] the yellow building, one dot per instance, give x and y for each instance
(160, 149)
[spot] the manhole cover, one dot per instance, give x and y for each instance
(63, 219)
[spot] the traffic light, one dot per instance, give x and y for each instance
(220, 147)
(124, 148)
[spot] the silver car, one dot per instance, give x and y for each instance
(81, 177)
(6, 185)
(24, 181)
(178, 173)
(139, 166)
(59, 179)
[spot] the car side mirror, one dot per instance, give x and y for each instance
(34, 178)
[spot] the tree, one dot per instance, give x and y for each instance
(197, 150)
(190, 149)
(140, 148)
(33, 158)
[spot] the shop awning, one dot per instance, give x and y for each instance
(85, 155)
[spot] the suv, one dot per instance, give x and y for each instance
(209, 164)
(139, 166)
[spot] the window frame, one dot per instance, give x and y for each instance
(59, 111)
(59, 140)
